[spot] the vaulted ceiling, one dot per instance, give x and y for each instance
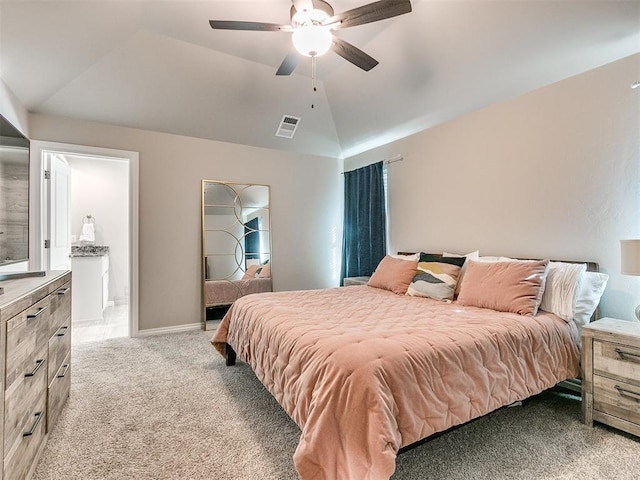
(157, 65)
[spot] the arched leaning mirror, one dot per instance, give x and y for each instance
(236, 244)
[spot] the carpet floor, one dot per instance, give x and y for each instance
(167, 407)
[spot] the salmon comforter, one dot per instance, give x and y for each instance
(364, 372)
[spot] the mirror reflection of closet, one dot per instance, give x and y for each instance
(236, 244)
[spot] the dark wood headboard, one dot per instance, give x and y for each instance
(591, 266)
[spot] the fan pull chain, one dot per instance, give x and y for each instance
(313, 76)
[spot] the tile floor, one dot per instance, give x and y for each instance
(114, 324)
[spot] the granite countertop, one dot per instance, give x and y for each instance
(89, 251)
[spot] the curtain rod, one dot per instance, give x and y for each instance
(397, 158)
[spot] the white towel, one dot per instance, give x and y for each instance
(88, 233)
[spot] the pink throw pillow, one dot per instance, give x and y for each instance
(251, 272)
(503, 286)
(394, 274)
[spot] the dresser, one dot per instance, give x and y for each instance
(35, 341)
(611, 374)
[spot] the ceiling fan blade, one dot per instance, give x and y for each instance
(255, 26)
(353, 54)
(289, 63)
(372, 12)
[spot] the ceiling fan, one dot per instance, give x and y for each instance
(311, 25)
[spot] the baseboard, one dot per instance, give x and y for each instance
(163, 330)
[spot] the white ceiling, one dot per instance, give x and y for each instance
(157, 65)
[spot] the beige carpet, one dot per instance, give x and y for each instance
(167, 407)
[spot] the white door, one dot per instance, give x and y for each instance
(59, 214)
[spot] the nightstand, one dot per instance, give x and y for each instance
(611, 374)
(350, 281)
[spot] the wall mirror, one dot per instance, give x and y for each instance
(14, 195)
(236, 244)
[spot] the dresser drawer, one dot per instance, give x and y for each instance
(616, 398)
(22, 398)
(60, 310)
(616, 361)
(27, 333)
(18, 459)
(59, 347)
(58, 392)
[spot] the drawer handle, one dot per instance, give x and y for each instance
(622, 354)
(64, 371)
(32, 430)
(39, 363)
(64, 291)
(35, 315)
(627, 393)
(63, 330)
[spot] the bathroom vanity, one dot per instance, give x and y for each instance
(90, 267)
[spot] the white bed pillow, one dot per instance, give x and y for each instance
(470, 256)
(591, 289)
(413, 257)
(487, 258)
(561, 288)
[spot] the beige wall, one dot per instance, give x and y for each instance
(305, 203)
(553, 173)
(13, 110)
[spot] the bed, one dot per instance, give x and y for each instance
(364, 371)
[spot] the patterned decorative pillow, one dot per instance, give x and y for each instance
(469, 256)
(264, 271)
(436, 277)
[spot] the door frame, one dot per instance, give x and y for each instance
(38, 210)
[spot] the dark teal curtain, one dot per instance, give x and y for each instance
(251, 239)
(364, 231)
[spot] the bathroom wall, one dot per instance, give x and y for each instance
(99, 187)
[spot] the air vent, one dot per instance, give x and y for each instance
(288, 126)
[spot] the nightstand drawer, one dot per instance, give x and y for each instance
(617, 361)
(616, 398)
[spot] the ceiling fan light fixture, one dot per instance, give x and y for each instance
(321, 12)
(312, 40)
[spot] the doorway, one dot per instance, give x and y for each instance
(100, 233)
